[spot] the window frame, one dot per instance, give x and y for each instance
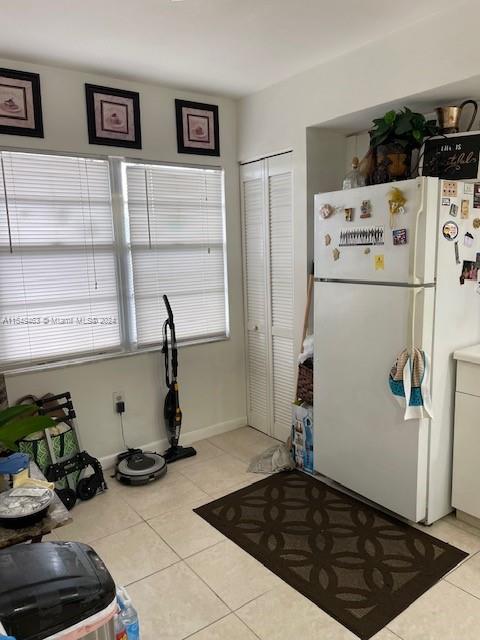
(127, 347)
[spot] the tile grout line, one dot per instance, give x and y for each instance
(452, 584)
(392, 632)
(211, 460)
(163, 540)
(207, 626)
(461, 563)
(154, 573)
(206, 583)
(210, 546)
(248, 626)
(260, 596)
(218, 595)
(114, 533)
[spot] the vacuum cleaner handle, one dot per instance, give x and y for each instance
(171, 325)
(169, 308)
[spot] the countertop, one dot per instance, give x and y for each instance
(469, 354)
(57, 516)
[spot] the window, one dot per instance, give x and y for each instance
(58, 278)
(65, 249)
(177, 245)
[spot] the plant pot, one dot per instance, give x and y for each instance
(393, 162)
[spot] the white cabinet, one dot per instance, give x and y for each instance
(267, 217)
(466, 446)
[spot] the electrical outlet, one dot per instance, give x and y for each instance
(118, 396)
(449, 189)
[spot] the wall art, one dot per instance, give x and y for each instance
(113, 117)
(20, 103)
(197, 128)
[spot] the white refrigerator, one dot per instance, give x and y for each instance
(382, 282)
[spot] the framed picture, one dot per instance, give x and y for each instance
(113, 117)
(20, 103)
(197, 128)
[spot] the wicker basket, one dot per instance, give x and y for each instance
(305, 382)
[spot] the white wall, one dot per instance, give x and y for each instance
(439, 51)
(211, 376)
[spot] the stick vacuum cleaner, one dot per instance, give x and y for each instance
(171, 410)
(135, 466)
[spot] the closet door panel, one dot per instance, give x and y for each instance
(254, 258)
(268, 280)
(283, 381)
(280, 222)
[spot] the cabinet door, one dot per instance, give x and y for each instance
(280, 240)
(466, 454)
(255, 298)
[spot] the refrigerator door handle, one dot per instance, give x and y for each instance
(416, 279)
(413, 316)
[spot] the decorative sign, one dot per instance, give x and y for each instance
(452, 158)
(362, 236)
(450, 230)
(399, 236)
(476, 195)
(366, 209)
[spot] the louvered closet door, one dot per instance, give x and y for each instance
(254, 264)
(268, 278)
(280, 227)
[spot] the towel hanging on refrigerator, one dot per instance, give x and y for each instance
(409, 382)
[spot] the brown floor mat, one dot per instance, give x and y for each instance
(359, 565)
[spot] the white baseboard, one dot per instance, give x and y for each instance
(186, 438)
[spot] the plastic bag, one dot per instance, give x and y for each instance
(274, 459)
(307, 349)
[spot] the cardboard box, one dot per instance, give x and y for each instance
(302, 436)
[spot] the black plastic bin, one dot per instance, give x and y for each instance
(58, 589)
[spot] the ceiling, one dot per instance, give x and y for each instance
(231, 47)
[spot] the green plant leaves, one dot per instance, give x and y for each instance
(14, 412)
(405, 128)
(390, 117)
(17, 429)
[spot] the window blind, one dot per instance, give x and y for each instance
(58, 285)
(177, 245)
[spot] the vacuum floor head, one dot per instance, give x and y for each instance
(136, 467)
(177, 452)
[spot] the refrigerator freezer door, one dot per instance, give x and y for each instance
(361, 438)
(360, 258)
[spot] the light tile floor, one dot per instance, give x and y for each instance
(188, 581)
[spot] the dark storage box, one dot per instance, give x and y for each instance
(305, 382)
(50, 586)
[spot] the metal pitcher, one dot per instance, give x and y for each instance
(449, 117)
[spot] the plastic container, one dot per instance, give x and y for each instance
(56, 591)
(128, 614)
(119, 628)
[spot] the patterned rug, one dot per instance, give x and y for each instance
(356, 563)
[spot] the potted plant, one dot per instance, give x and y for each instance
(18, 422)
(392, 140)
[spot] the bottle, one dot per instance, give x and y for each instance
(128, 615)
(120, 633)
(354, 178)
